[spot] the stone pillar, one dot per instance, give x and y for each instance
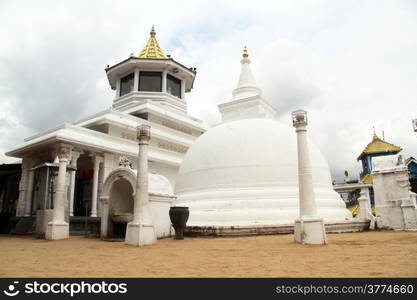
(365, 211)
(309, 227)
(20, 209)
(74, 157)
(97, 161)
(141, 231)
(104, 224)
(108, 165)
(142, 188)
(29, 192)
(394, 202)
(59, 229)
(363, 206)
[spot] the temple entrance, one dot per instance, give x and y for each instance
(117, 202)
(121, 208)
(82, 197)
(83, 187)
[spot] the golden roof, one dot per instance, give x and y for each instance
(152, 49)
(377, 146)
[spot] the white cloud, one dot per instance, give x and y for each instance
(351, 64)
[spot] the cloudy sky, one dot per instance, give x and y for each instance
(351, 64)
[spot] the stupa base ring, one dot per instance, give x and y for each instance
(249, 230)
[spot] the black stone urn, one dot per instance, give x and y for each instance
(179, 217)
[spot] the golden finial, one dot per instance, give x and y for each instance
(153, 32)
(152, 48)
(245, 52)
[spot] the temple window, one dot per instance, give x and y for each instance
(150, 81)
(174, 86)
(126, 84)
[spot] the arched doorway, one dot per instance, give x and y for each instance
(117, 202)
(120, 207)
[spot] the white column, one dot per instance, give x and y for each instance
(309, 228)
(74, 157)
(142, 189)
(183, 90)
(59, 229)
(136, 81)
(305, 175)
(117, 88)
(367, 195)
(29, 192)
(108, 165)
(97, 161)
(141, 231)
(164, 81)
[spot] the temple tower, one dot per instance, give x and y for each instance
(150, 76)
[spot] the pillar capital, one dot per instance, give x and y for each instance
(75, 155)
(26, 162)
(104, 199)
(64, 152)
(299, 118)
(96, 158)
(143, 134)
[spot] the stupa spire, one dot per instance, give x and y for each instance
(247, 101)
(245, 53)
(247, 85)
(152, 49)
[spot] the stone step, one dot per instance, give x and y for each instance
(26, 225)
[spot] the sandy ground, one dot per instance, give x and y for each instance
(366, 254)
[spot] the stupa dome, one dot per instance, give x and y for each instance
(245, 172)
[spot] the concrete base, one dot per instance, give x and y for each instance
(250, 230)
(410, 216)
(138, 234)
(310, 231)
(57, 231)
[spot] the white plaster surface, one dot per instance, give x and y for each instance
(395, 204)
(244, 172)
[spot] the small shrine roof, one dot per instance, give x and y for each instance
(379, 146)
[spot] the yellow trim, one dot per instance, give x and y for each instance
(367, 178)
(152, 49)
(356, 208)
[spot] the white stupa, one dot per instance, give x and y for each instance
(242, 176)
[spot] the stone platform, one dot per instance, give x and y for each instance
(230, 231)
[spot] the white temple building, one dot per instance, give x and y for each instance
(241, 176)
(150, 88)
